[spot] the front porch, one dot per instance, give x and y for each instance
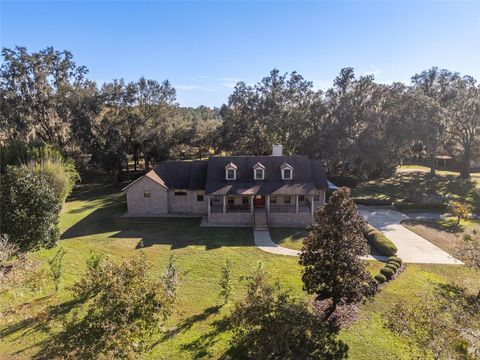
(281, 210)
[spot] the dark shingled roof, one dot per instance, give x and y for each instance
(308, 176)
(189, 175)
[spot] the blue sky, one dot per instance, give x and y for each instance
(203, 48)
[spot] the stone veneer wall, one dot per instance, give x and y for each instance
(289, 219)
(241, 219)
(139, 205)
(187, 204)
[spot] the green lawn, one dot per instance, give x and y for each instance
(92, 220)
(396, 188)
(442, 232)
(288, 237)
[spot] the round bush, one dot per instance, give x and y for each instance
(393, 267)
(391, 262)
(396, 259)
(387, 272)
(380, 278)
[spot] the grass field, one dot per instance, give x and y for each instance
(445, 183)
(92, 220)
(442, 232)
(288, 237)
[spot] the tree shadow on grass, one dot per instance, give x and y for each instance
(40, 323)
(201, 346)
(175, 232)
(435, 225)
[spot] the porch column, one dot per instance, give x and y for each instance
(251, 204)
(296, 204)
(313, 206)
(209, 207)
(224, 204)
(268, 204)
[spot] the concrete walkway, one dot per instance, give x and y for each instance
(412, 248)
(264, 242)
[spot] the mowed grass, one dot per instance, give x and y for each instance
(442, 232)
(92, 221)
(288, 237)
(396, 188)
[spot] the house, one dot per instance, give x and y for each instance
(274, 190)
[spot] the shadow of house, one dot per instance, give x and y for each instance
(175, 232)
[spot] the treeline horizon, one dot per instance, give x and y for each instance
(357, 127)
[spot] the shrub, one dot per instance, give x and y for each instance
(226, 281)
(394, 263)
(29, 211)
(381, 243)
(56, 268)
(60, 173)
(380, 278)
(390, 266)
(396, 259)
(373, 202)
(269, 324)
(124, 311)
(409, 206)
(387, 272)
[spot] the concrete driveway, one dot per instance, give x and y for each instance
(412, 248)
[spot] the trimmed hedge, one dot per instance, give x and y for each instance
(373, 202)
(381, 243)
(393, 267)
(396, 259)
(387, 272)
(380, 278)
(411, 206)
(396, 264)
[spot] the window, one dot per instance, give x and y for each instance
(230, 200)
(230, 174)
(287, 171)
(301, 197)
(273, 199)
(216, 199)
(199, 197)
(287, 174)
(147, 194)
(287, 200)
(180, 192)
(230, 171)
(245, 200)
(258, 174)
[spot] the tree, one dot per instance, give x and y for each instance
(171, 277)
(30, 209)
(226, 281)
(460, 210)
(331, 253)
(468, 250)
(56, 268)
(124, 311)
(439, 86)
(464, 121)
(445, 323)
(270, 324)
(34, 88)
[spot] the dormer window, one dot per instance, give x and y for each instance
(287, 171)
(258, 171)
(231, 171)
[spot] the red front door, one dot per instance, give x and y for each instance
(259, 201)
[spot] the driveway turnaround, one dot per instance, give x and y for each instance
(264, 242)
(412, 248)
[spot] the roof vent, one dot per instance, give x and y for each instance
(277, 150)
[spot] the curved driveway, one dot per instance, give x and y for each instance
(411, 247)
